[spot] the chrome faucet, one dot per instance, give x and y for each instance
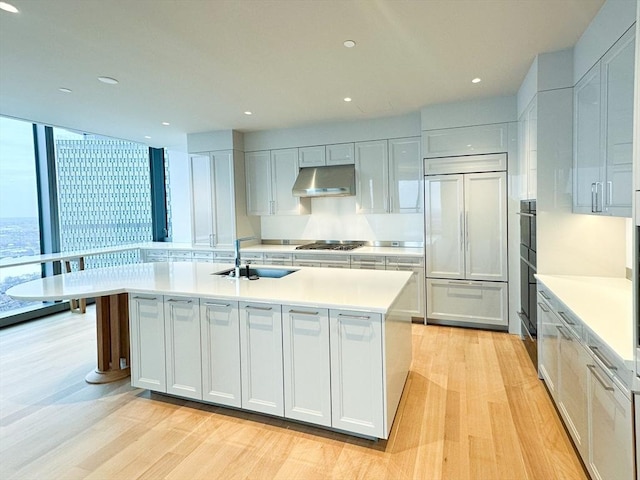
(237, 253)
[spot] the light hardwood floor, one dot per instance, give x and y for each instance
(472, 408)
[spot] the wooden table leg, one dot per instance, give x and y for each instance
(112, 319)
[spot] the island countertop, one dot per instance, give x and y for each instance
(366, 290)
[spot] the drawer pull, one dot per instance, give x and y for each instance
(601, 380)
(145, 298)
(544, 295)
(178, 300)
(543, 307)
(301, 312)
(564, 335)
(607, 363)
(358, 317)
(566, 318)
(221, 305)
(253, 307)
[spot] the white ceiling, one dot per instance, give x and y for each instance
(199, 64)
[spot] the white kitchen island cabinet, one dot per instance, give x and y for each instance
(323, 346)
(261, 358)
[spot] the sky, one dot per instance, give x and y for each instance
(18, 197)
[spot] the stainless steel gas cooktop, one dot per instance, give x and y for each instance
(330, 245)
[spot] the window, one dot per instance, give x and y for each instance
(19, 217)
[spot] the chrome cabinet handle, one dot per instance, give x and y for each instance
(599, 199)
(220, 305)
(564, 335)
(179, 300)
(302, 312)
(466, 231)
(253, 307)
(461, 231)
(601, 380)
(145, 298)
(610, 192)
(542, 307)
(566, 318)
(594, 197)
(358, 317)
(544, 295)
(607, 363)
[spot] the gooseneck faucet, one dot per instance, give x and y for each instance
(237, 253)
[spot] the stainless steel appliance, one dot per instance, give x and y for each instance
(528, 307)
(331, 245)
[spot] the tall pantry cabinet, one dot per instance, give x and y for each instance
(466, 240)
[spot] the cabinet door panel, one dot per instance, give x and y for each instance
(611, 436)
(258, 172)
(146, 318)
(357, 403)
(340, 154)
(444, 226)
(618, 82)
(202, 199)
(284, 171)
(311, 156)
(587, 164)
(548, 346)
(224, 200)
(261, 352)
(405, 175)
(220, 339)
(307, 377)
(372, 177)
(182, 347)
(486, 226)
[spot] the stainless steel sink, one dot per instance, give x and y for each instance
(255, 273)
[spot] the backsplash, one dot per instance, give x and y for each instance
(335, 219)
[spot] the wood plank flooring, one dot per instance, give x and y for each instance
(472, 408)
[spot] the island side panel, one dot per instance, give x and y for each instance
(397, 353)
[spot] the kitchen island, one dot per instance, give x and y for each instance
(323, 346)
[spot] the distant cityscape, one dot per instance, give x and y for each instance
(18, 237)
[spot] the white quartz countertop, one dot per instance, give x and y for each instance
(604, 304)
(364, 290)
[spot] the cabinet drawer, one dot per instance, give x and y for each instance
(203, 256)
(179, 255)
(465, 164)
(610, 361)
(278, 259)
(482, 303)
(155, 256)
(368, 262)
(224, 257)
(404, 263)
(252, 257)
(571, 321)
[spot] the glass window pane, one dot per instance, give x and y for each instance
(178, 196)
(104, 195)
(19, 223)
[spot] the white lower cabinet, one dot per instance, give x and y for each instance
(182, 346)
(220, 344)
(261, 358)
(146, 330)
(467, 302)
(306, 360)
(357, 388)
(610, 428)
(595, 408)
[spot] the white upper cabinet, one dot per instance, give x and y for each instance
(213, 204)
(603, 133)
(270, 179)
(311, 156)
(340, 154)
(405, 175)
(388, 176)
(465, 140)
(528, 151)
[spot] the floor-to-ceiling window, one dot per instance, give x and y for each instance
(19, 213)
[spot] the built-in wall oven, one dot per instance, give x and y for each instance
(527, 313)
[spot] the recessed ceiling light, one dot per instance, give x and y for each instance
(166, 124)
(147, 137)
(248, 113)
(7, 7)
(476, 80)
(65, 90)
(108, 80)
(347, 99)
(349, 43)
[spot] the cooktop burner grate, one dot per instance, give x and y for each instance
(330, 246)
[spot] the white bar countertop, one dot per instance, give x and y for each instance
(604, 304)
(56, 257)
(363, 290)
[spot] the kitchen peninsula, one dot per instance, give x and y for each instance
(323, 346)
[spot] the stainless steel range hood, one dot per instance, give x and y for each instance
(331, 181)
